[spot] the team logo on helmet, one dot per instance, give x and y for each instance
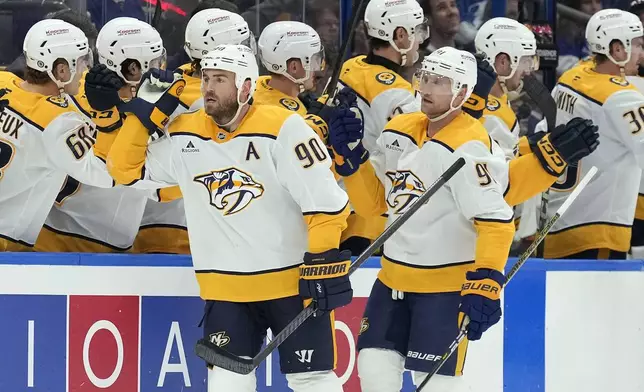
(386, 78)
(58, 101)
(231, 190)
(619, 81)
(493, 104)
(290, 104)
(406, 187)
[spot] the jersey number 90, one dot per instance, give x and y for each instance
(310, 152)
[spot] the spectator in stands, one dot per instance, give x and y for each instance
(571, 39)
(444, 21)
(269, 11)
(72, 17)
(323, 16)
(173, 35)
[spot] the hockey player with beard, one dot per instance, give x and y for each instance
(42, 142)
(433, 276)
(598, 226)
(127, 48)
(251, 166)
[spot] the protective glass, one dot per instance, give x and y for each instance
(250, 42)
(317, 62)
(426, 82)
(421, 31)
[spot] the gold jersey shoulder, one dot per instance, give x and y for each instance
(261, 120)
(266, 95)
(462, 129)
(192, 90)
(500, 107)
(39, 109)
(597, 87)
(369, 80)
(412, 125)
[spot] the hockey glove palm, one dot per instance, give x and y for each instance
(324, 277)
(566, 144)
(102, 87)
(480, 300)
(485, 79)
(345, 137)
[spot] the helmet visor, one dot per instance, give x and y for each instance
(426, 82)
(85, 62)
(528, 64)
(250, 42)
(159, 62)
(421, 31)
(317, 62)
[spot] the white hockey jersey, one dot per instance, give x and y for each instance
(602, 215)
(638, 82)
(39, 147)
(245, 195)
(502, 124)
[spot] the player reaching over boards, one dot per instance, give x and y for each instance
(598, 226)
(416, 284)
(127, 48)
(34, 157)
(250, 167)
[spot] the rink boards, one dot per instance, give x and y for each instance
(122, 323)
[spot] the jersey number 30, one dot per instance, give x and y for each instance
(7, 151)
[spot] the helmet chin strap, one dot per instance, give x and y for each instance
(512, 94)
(450, 110)
(403, 52)
(240, 106)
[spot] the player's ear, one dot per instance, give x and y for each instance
(61, 71)
(294, 67)
(617, 50)
(460, 97)
(502, 64)
(401, 38)
(245, 91)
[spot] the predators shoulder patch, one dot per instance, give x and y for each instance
(58, 101)
(386, 78)
(619, 81)
(290, 104)
(493, 104)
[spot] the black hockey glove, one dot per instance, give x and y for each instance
(485, 79)
(324, 277)
(102, 88)
(481, 301)
(566, 144)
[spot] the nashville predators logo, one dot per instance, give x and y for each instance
(58, 101)
(493, 104)
(386, 78)
(405, 189)
(364, 326)
(619, 81)
(220, 339)
(290, 104)
(231, 190)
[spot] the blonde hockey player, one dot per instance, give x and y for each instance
(510, 48)
(163, 227)
(413, 311)
(127, 48)
(36, 157)
(251, 166)
(599, 226)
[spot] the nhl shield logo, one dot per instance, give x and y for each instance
(231, 190)
(406, 187)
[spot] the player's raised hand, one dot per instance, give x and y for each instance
(485, 79)
(566, 144)
(102, 87)
(324, 277)
(481, 300)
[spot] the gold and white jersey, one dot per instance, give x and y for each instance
(638, 82)
(502, 124)
(602, 215)
(250, 196)
(163, 226)
(266, 95)
(43, 139)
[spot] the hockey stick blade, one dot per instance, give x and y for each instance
(217, 356)
(515, 268)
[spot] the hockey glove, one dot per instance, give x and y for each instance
(102, 87)
(345, 137)
(485, 79)
(480, 300)
(566, 144)
(155, 113)
(324, 277)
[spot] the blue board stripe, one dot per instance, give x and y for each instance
(524, 336)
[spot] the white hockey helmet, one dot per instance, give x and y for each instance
(383, 17)
(282, 41)
(53, 39)
(608, 25)
(212, 27)
(456, 65)
(125, 38)
(504, 35)
(238, 59)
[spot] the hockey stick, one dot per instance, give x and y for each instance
(540, 95)
(156, 17)
(217, 356)
(515, 268)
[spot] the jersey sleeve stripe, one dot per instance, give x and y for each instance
(5, 237)
(82, 237)
(15, 112)
(266, 135)
(327, 212)
(214, 271)
(495, 220)
(172, 134)
(401, 134)
(450, 149)
(582, 94)
(587, 224)
(426, 266)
